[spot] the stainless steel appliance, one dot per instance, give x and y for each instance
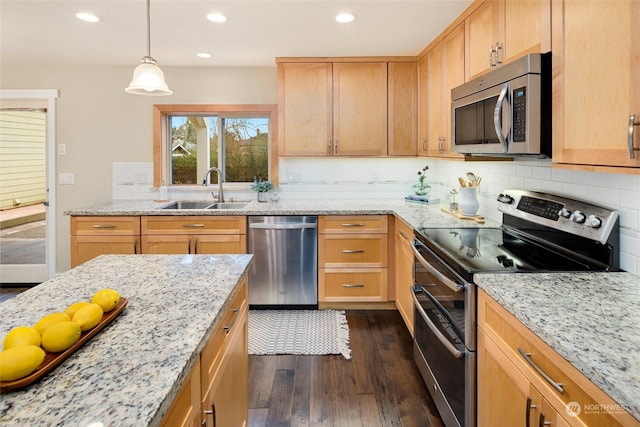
(506, 111)
(540, 233)
(284, 271)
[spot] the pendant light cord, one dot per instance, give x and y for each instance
(149, 28)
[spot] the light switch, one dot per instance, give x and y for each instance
(66, 178)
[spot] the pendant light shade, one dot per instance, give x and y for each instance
(148, 78)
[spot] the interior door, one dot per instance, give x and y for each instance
(27, 174)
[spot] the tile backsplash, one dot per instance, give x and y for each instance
(325, 178)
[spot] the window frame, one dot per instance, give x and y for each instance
(161, 113)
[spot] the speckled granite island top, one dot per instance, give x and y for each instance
(590, 319)
(128, 374)
(415, 214)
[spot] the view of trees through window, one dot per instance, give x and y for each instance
(239, 146)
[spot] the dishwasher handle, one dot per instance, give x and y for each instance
(284, 226)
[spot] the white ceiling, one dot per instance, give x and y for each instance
(46, 32)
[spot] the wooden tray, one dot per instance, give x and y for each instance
(52, 360)
(477, 218)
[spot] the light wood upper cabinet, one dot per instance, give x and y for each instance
(423, 106)
(516, 27)
(445, 70)
(402, 108)
(360, 109)
(305, 108)
(596, 86)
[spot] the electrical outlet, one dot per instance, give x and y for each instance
(66, 178)
(62, 149)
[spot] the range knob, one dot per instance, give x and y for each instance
(565, 213)
(505, 198)
(593, 221)
(578, 217)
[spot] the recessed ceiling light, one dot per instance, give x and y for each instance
(344, 18)
(87, 17)
(204, 55)
(216, 17)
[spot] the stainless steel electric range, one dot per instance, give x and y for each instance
(540, 233)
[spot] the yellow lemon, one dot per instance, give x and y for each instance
(71, 310)
(18, 362)
(88, 316)
(49, 320)
(60, 336)
(106, 298)
(21, 335)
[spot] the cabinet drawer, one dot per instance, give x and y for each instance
(353, 224)
(363, 250)
(194, 225)
(105, 225)
(366, 284)
(210, 355)
(513, 337)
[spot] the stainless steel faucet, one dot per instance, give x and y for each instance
(220, 190)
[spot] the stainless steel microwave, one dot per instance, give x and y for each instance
(506, 112)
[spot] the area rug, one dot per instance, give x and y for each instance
(311, 332)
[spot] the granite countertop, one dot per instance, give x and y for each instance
(590, 319)
(129, 373)
(414, 214)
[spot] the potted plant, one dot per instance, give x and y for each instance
(262, 187)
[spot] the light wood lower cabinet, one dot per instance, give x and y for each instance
(96, 235)
(353, 258)
(216, 390)
(511, 391)
(194, 235)
(403, 271)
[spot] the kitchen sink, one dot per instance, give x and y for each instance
(202, 205)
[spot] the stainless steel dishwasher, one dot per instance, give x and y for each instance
(284, 271)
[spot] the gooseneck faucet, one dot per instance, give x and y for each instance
(205, 182)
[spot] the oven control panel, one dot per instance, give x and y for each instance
(572, 216)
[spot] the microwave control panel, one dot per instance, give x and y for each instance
(519, 99)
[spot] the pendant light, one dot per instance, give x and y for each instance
(148, 78)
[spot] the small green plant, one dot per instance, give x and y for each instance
(262, 186)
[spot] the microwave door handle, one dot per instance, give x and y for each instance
(448, 282)
(497, 117)
(452, 349)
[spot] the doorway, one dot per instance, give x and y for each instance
(27, 178)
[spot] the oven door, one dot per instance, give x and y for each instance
(443, 320)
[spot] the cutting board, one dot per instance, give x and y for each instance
(479, 219)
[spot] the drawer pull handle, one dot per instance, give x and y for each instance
(353, 225)
(103, 226)
(527, 358)
(228, 328)
(352, 251)
(193, 225)
(527, 415)
(353, 285)
(404, 236)
(542, 422)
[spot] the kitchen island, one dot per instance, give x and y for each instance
(128, 374)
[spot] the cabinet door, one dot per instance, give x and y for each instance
(527, 28)
(423, 106)
(220, 244)
(305, 103)
(404, 273)
(84, 248)
(596, 68)
(360, 109)
(185, 408)
(503, 391)
(167, 244)
(482, 32)
(403, 107)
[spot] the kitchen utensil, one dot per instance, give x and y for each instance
(462, 182)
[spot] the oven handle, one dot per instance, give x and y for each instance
(448, 282)
(454, 351)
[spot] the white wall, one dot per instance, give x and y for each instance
(101, 124)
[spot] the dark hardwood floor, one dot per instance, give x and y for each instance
(379, 386)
